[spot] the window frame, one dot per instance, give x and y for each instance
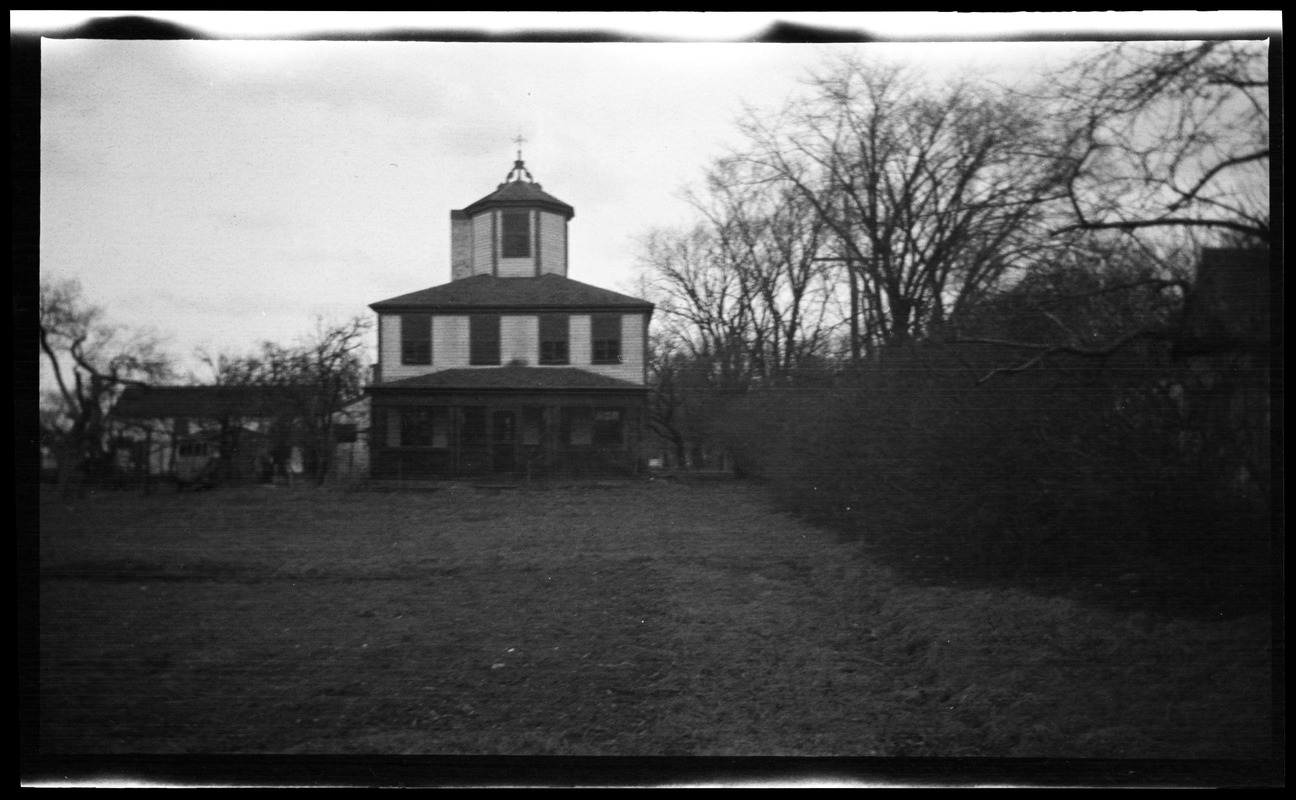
(484, 351)
(605, 349)
(532, 426)
(553, 322)
(472, 424)
(577, 420)
(408, 356)
(515, 233)
(600, 428)
(423, 426)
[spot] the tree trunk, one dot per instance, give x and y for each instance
(71, 471)
(681, 456)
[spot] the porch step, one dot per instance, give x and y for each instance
(396, 486)
(691, 475)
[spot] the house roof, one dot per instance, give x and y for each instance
(520, 194)
(1231, 300)
(1235, 260)
(162, 402)
(488, 292)
(511, 377)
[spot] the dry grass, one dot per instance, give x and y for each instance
(613, 619)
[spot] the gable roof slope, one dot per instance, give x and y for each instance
(161, 402)
(488, 292)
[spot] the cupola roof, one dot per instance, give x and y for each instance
(520, 190)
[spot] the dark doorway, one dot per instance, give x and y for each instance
(503, 436)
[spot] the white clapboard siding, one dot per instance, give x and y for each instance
(390, 358)
(482, 244)
(579, 348)
(392, 368)
(631, 366)
(553, 244)
(449, 341)
(520, 339)
(516, 267)
(461, 247)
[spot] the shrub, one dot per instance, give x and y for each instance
(1056, 474)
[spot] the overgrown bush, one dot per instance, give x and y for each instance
(1060, 474)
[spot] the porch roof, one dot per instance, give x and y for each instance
(511, 377)
(481, 292)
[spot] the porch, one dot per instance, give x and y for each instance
(509, 437)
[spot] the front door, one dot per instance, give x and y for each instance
(503, 437)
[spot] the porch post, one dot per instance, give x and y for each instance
(148, 460)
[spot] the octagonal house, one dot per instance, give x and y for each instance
(511, 368)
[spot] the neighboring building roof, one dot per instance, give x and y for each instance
(1235, 275)
(162, 402)
(1230, 305)
(488, 292)
(511, 377)
(519, 194)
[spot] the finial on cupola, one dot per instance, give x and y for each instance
(519, 169)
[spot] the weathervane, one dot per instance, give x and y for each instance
(519, 168)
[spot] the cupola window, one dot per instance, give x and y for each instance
(515, 239)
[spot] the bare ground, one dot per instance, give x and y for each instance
(629, 619)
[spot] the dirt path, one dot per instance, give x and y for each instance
(632, 619)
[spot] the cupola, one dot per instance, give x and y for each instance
(516, 231)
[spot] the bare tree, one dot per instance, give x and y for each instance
(332, 370)
(932, 194)
(87, 363)
(1166, 135)
(743, 293)
(772, 240)
(1161, 146)
(702, 311)
(312, 382)
(670, 413)
(1088, 302)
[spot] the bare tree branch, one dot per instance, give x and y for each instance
(1150, 131)
(89, 362)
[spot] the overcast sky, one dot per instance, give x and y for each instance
(228, 192)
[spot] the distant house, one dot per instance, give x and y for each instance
(223, 433)
(1230, 347)
(511, 367)
(1229, 309)
(351, 432)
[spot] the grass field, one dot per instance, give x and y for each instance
(636, 619)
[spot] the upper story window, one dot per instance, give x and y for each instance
(554, 338)
(605, 333)
(515, 238)
(484, 339)
(416, 339)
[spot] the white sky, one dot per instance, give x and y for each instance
(228, 192)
